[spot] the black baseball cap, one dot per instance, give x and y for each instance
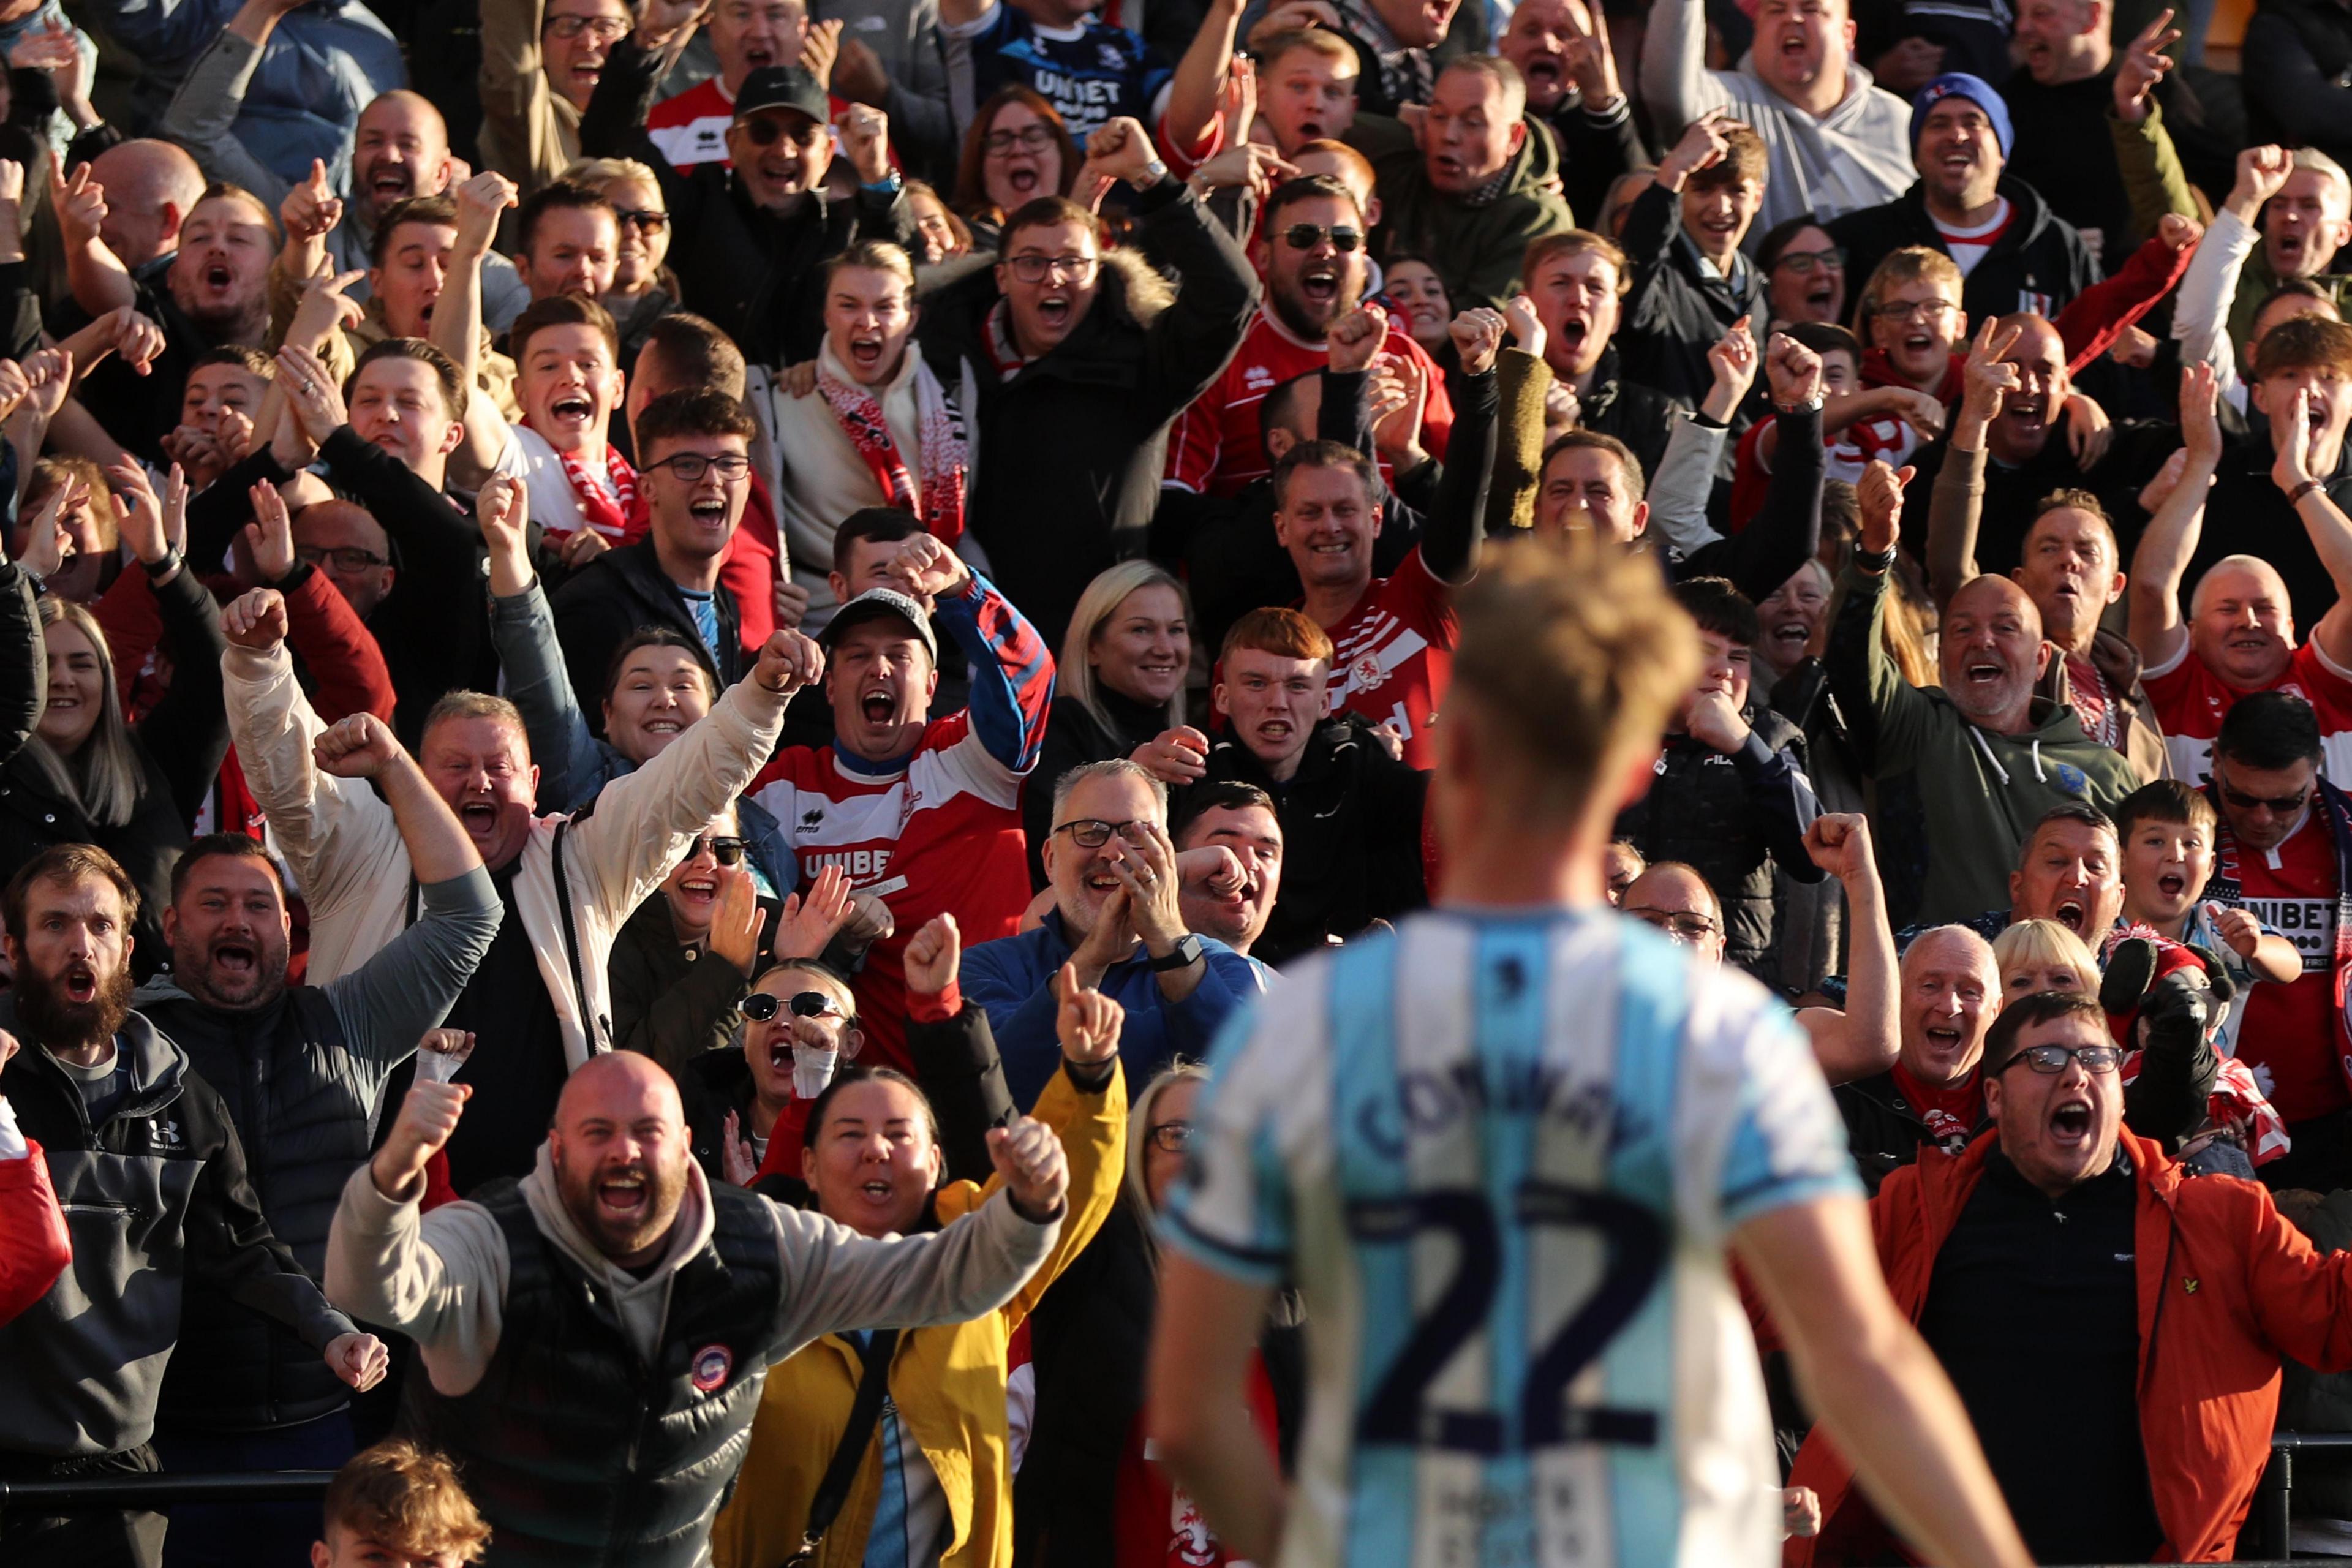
(782, 86)
(873, 604)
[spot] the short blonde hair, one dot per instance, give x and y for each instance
(598, 172)
(2039, 944)
(1314, 41)
(1912, 264)
(1571, 654)
(408, 1498)
(1576, 242)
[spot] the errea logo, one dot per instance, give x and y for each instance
(1258, 378)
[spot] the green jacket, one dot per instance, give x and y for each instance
(1982, 792)
(2257, 282)
(1476, 249)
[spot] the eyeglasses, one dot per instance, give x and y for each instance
(1344, 238)
(1802, 262)
(608, 28)
(1683, 925)
(1171, 1137)
(1928, 308)
(760, 1007)
(346, 558)
(2054, 1059)
(726, 851)
(691, 466)
(1033, 269)
(1093, 832)
(650, 221)
(763, 130)
(1028, 139)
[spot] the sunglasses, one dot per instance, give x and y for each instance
(2280, 805)
(762, 1005)
(1344, 238)
(764, 131)
(726, 851)
(650, 221)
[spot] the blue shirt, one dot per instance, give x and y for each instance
(1091, 74)
(1012, 980)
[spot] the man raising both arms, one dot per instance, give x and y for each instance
(1578, 1116)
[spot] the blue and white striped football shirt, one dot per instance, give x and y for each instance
(1500, 1154)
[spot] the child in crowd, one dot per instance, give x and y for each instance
(399, 1503)
(2167, 831)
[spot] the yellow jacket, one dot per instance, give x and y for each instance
(947, 1384)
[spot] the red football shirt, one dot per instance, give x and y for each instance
(2191, 702)
(1394, 655)
(2289, 1032)
(1215, 448)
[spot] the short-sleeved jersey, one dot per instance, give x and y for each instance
(1500, 1154)
(2191, 702)
(1215, 447)
(1392, 656)
(2289, 1033)
(1091, 73)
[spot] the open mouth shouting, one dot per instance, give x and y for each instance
(388, 182)
(1318, 285)
(1983, 673)
(235, 959)
(699, 893)
(571, 413)
(480, 818)
(2071, 1120)
(2027, 417)
(79, 984)
(1053, 310)
(1944, 1042)
(878, 706)
(217, 277)
(866, 350)
(1571, 334)
(1789, 637)
(624, 1194)
(2172, 885)
(2290, 245)
(1024, 175)
(2073, 914)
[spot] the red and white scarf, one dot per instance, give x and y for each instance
(943, 458)
(607, 510)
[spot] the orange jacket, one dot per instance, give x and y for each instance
(2227, 1288)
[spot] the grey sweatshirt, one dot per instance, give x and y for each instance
(441, 1279)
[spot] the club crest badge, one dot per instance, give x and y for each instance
(711, 1365)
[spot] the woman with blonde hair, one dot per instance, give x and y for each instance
(1122, 670)
(87, 775)
(2043, 955)
(644, 287)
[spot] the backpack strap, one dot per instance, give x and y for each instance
(864, 1411)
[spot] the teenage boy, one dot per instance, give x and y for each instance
(1305, 88)
(1690, 281)
(399, 1504)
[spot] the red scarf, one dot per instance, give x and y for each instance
(608, 514)
(859, 413)
(1951, 1112)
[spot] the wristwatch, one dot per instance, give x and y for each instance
(1151, 174)
(1187, 952)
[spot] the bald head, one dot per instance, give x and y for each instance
(1991, 653)
(2242, 622)
(400, 149)
(150, 188)
(1674, 898)
(348, 546)
(619, 1149)
(1951, 991)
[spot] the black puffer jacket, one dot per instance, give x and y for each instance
(1073, 446)
(2301, 53)
(1351, 836)
(178, 749)
(2039, 263)
(1732, 817)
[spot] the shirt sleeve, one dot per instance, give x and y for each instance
(1232, 1210)
(1788, 1141)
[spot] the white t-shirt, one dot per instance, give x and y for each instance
(528, 457)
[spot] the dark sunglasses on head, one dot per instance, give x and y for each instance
(647, 219)
(726, 851)
(760, 1005)
(1344, 238)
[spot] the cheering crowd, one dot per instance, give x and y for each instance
(667, 668)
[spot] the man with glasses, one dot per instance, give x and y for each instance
(749, 236)
(2284, 851)
(349, 548)
(1117, 925)
(1312, 255)
(922, 815)
(540, 62)
(695, 478)
(1071, 476)
(2067, 1263)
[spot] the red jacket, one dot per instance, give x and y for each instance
(2226, 1289)
(34, 1247)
